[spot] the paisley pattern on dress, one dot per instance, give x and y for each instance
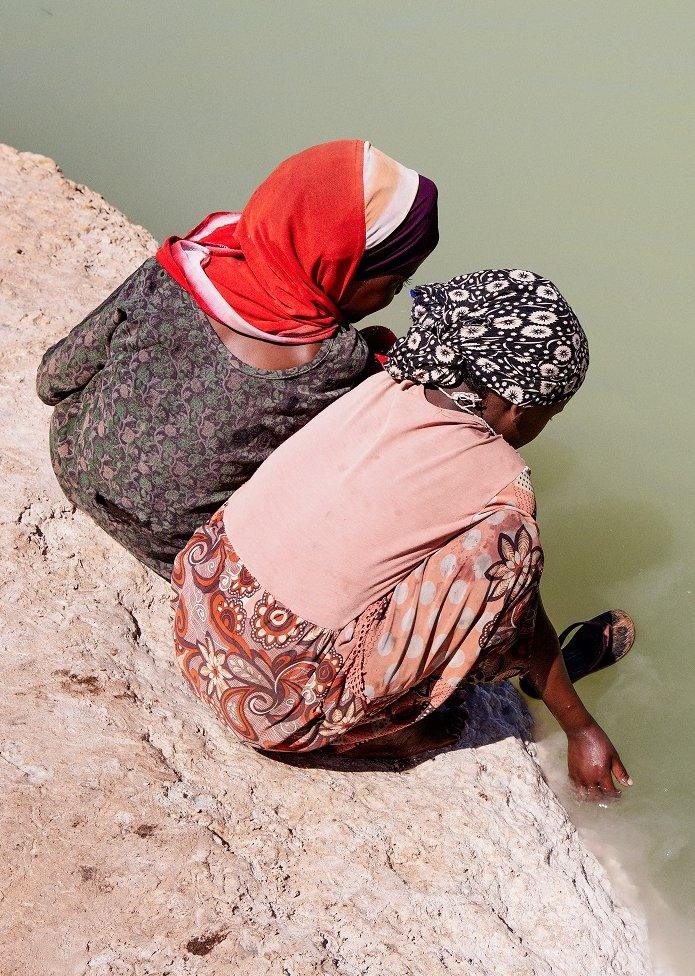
(282, 683)
(268, 674)
(156, 423)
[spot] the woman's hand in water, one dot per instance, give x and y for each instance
(593, 761)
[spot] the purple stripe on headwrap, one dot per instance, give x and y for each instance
(410, 243)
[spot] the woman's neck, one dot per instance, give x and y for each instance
(471, 404)
(439, 399)
(261, 354)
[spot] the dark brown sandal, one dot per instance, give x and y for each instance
(597, 644)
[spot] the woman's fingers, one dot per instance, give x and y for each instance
(598, 788)
(607, 788)
(604, 787)
(619, 771)
(599, 792)
(593, 762)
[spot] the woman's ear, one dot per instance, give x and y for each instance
(518, 418)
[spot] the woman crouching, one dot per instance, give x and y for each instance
(170, 394)
(389, 551)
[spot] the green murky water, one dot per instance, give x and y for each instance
(561, 138)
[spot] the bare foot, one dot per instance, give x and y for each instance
(436, 731)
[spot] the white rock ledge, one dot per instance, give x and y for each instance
(138, 837)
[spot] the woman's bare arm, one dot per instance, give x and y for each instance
(592, 759)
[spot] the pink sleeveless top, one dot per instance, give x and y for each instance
(361, 495)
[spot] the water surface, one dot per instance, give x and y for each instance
(561, 138)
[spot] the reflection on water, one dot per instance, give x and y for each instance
(557, 135)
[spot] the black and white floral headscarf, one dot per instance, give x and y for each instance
(511, 330)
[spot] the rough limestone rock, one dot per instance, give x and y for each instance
(137, 836)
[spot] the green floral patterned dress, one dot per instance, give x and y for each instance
(156, 423)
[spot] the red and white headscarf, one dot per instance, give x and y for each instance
(279, 269)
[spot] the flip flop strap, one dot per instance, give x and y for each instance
(579, 623)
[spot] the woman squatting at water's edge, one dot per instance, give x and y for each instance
(388, 554)
(170, 394)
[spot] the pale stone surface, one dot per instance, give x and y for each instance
(137, 836)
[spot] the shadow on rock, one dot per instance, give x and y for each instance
(488, 712)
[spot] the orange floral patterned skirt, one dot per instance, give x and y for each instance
(282, 683)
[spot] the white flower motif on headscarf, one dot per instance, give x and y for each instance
(458, 295)
(536, 331)
(548, 369)
(414, 340)
(508, 322)
(485, 364)
(494, 286)
(425, 316)
(444, 354)
(542, 318)
(513, 393)
(563, 353)
(472, 331)
(518, 274)
(545, 291)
